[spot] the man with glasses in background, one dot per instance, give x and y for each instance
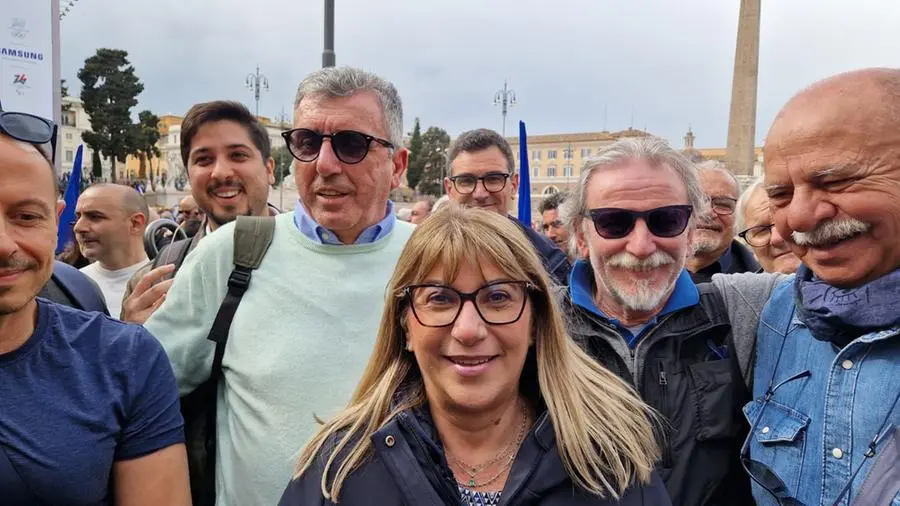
(633, 306)
(89, 411)
(483, 175)
(754, 220)
(715, 249)
(304, 330)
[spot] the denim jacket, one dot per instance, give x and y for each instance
(814, 431)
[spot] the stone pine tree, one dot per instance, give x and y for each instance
(416, 161)
(147, 130)
(435, 142)
(283, 161)
(109, 90)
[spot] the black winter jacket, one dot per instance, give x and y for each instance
(555, 260)
(409, 468)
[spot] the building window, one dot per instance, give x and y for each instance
(536, 171)
(551, 155)
(567, 154)
(567, 171)
(68, 155)
(585, 152)
(550, 190)
(68, 136)
(68, 119)
(536, 155)
(551, 171)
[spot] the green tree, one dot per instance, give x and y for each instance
(96, 165)
(416, 162)
(283, 161)
(109, 89)
(435, 142)
(147, 130)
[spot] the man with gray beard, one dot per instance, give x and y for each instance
(634, 307)
(714, 249)
(825, 408)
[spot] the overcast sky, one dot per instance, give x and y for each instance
(670, 62)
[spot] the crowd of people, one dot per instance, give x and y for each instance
(662, 336)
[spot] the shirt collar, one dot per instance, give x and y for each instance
(321, 235)
(581, 291)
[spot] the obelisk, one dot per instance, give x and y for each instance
(741, 154)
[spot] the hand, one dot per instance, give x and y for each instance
(148, 295)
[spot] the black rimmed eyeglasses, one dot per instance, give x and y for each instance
(497, 303)
(349, 146)
(29, 128)
(757, 236)
(722, 205)
(493, 183)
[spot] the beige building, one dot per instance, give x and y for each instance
(73, 122)
(719, 154)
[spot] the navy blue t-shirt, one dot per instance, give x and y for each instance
(83, 392)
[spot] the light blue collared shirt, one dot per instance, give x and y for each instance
(321, 235)
(581, 285)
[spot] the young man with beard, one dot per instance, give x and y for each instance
(227, 153)
(633, 306)
(715, 249)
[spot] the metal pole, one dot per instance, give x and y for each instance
(56, 75)
(505, 98)
(256, 83)
(328, 56)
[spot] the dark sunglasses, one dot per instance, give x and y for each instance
(349, 146)
(29, 128)
(615, 223)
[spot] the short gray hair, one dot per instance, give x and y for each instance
(740, 218)
(653, 150)
(479, 140)
(714, 165)
(345, 81)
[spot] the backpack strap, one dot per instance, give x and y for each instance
(78, 287)
(252, 238)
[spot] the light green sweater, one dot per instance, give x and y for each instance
(298, 345)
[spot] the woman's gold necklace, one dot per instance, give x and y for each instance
(508, 452)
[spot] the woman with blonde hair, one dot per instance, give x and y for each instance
(475, 394)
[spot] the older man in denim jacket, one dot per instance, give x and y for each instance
(827, 360)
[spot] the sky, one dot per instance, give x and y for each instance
(574, 65)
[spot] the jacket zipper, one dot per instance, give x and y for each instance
(664, 405)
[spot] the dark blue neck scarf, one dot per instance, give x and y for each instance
(841, 315)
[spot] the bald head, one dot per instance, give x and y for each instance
(833, 175)
(110, 223)
(843, 107)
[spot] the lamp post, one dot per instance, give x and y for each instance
(505, 98)
(256, 83)
(65, 6)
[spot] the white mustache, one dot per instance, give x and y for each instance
(625, 260)
(830, 232)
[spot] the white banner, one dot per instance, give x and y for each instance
(26, 56)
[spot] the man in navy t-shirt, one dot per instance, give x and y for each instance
(89, 409)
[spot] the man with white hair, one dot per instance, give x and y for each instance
(756, 228)
(825, 412)
(304, 330)
(714, 249)
(634, 307)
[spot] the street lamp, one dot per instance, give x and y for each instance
(505, 98)
(65, 6)
(256, 83)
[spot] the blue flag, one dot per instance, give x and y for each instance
(64, 233)
(524, 178)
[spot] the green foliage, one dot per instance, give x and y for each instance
(283, 161)
(109, 90)
(416, 161)
(435, 143)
